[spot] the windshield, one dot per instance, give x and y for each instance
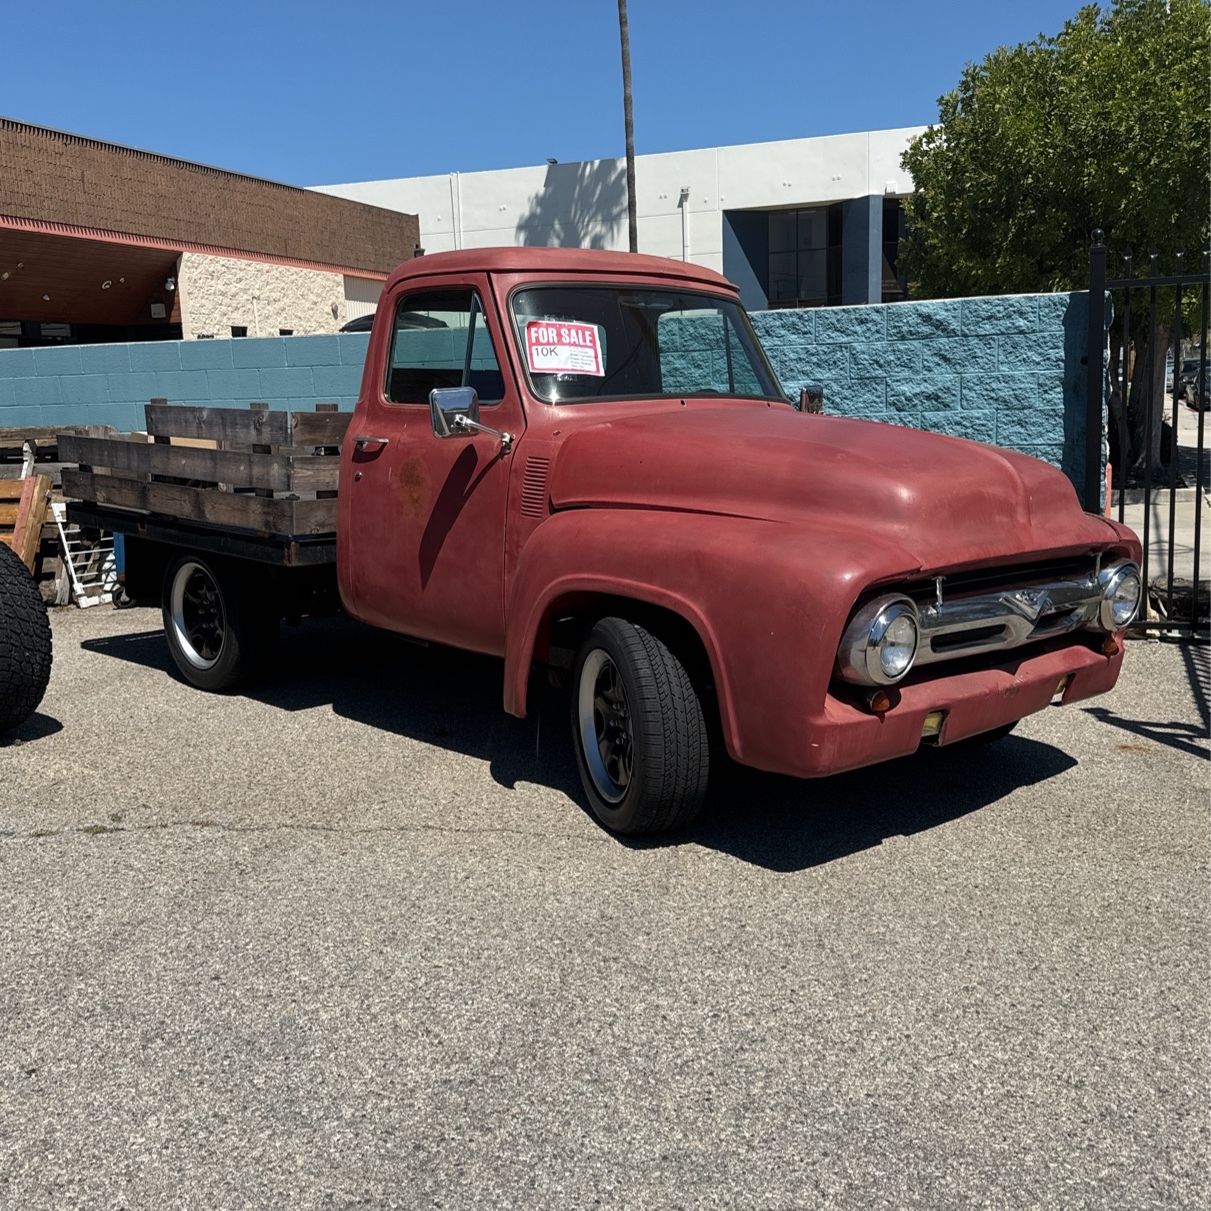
(635, 342)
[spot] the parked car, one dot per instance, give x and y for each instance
(363, 323)
(1187, 384)
(593, 473)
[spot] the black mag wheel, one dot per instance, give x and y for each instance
(639, 730)
(198, 618)
(219, 622)
(605, 726)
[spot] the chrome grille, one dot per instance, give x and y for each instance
(973, 623)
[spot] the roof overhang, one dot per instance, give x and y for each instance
(128, 239)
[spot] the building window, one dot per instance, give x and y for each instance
(895, 287)
(239, 329)
(285, 332)
(805, 257)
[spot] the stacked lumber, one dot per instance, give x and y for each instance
(22, 515)
(258, 470)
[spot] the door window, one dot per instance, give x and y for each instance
(440, 339)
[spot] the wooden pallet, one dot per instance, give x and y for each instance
(258, 470)
(22, 514)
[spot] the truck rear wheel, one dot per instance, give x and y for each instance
(639, 730)
(220, 629)
(25, 642)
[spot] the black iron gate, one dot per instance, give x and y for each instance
(1158, 475)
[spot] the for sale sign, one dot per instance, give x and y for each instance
(564, 347)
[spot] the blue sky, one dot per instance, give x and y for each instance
(313, 93)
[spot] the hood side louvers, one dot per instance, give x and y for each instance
(534, 487)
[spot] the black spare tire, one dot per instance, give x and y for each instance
(25, 642)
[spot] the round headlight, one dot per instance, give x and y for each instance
(880, 643)
(1122, 591)
(897, 646)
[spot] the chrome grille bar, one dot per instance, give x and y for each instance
(996, 622)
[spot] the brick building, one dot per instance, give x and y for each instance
(100, 242)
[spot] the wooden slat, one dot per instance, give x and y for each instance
(45, 437)
(256, 426)
(231, 426)
(10, 489)
(233, 468)
(267, 515)
(8, 513)
(31, 513)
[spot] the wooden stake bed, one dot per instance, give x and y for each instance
(256, 473)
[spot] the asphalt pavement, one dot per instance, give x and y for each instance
(350, 941)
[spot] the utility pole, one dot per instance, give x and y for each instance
(624, 34)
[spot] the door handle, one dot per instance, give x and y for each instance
(360, 443)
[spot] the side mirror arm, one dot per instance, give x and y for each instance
(811, 399)
(464, 424)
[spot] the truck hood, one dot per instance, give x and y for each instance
(942, 501)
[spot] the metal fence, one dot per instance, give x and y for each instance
(1158, 474)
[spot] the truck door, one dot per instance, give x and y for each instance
(423, 519)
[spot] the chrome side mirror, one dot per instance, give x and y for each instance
(448, 406)
(454, 412)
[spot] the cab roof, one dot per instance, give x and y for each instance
(557, 260)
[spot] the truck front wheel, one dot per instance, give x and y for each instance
(219, 627)
(639, 730)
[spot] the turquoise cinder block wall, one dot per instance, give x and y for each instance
(110, 384)
(1009, 370)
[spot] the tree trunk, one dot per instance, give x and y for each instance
(625, 36)
(1146, 403)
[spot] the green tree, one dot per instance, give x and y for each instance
(1106, 124)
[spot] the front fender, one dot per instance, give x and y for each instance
(768, 601)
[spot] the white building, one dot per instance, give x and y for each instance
(800, 222)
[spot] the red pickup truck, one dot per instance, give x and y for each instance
(584, 461)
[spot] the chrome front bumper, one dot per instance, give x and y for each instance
(986, 618)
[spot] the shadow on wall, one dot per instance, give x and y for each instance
(579, 206)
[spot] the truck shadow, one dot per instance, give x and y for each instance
(785, 824)
(451, 699)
